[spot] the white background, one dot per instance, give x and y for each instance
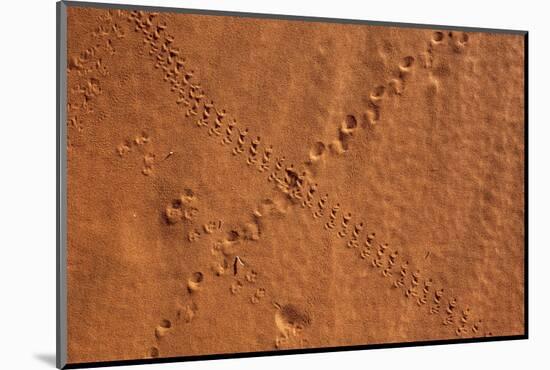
(27, 182)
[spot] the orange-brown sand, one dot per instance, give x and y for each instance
(240, 185)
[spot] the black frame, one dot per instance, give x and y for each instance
(61, 291)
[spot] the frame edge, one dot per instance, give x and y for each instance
(61, 185)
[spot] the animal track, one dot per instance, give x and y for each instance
(266, 158)
(437, 36)
(372, 114)
(251, 276)
(148, 161)
(457, 43)
(253, 152)
(220, 268)
(86, 70)
(212, 226)
(236, 287)
(258, 295)
(297, 185)
(317, 152)
(187, 312)
(406, 63)
(290, 322)
(194, 282)
(321, 205)
(153, 352)
(183, 208)
(269, 207)
(163, 328)
(251, 231)
(124, 148)
(377, 94)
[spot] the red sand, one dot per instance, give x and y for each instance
(395, 216)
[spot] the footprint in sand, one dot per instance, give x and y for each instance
(194, 282)
(193, 235)
(354, 241)
(406, 63)
(142, 139)
(228, 138)
(366, 252)
(377, 94)
(188, 196)
(476, 327)
(462, 327)
(251, 276)
(310, 193)
(397, 86)
(189, 213)
(345, 131)
(449, 311)
(379, 260)
(266, 158)
(458, 41)
(290, 322)
(437, 37)
(251, 231)
(317, 152)
(126, 146)
(239, 148)
(204, 120)
(220, 268)
(348, 125)
(464, 38)
(233, 236)
(372, 113)
(181, 208)
(163, 328)
(400, 282)
(337, 147)
(187, 312)
(148, 162)
(217, 246)
(174, 211)
(236, 287)
(343, 232)
(266, 207)
(212, 226)
(405, 69)
(252, 158)
(258, 295)
(123, 148)
(423, 299)
(227, 246)
(321, 205)
(153, 352)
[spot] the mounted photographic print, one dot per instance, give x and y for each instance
(236, 184)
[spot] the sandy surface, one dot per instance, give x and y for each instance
(241, 185)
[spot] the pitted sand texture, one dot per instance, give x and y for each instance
(240, 184)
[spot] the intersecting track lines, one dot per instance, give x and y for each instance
(297, 183)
